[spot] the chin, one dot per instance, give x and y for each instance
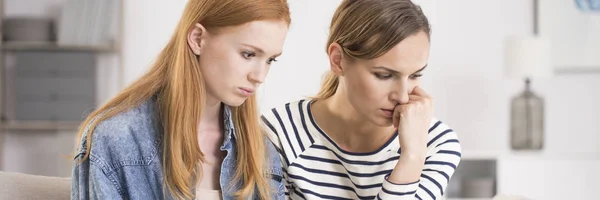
(234, 101)
(382, 121)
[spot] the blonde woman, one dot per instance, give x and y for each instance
(369, 133)
(189, 128)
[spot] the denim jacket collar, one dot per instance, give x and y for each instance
(228, 128)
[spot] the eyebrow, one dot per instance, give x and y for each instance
(259, 50)
(397, 72)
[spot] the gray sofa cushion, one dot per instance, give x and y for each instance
(26, 187)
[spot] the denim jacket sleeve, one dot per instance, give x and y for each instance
(90, 183)
(123, 161)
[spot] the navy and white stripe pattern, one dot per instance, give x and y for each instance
(317, 168)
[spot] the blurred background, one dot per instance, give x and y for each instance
(61, 58)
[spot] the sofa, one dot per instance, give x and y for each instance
(33, 187)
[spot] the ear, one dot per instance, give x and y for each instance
(196, 38)
(336, 56)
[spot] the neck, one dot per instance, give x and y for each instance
(211, 116)
(344, 114)
(351, 130)
(210, 139)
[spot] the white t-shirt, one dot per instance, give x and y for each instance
(204, 194)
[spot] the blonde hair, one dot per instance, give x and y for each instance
(175, 78)
(367, 29)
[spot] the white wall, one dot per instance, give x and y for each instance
(147, 28)
(298, 72)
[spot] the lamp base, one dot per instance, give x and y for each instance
(527, 120)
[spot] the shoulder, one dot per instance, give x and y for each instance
(442, 136)
(290, 128)
(130, 137)
(288, 114)
(438, 128)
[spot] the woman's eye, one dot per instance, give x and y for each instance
(271, 60)
(416, 76)
(383, 76)
(248, 55)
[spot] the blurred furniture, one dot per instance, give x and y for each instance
(473, 179)
(31, 187)
(57, 59)
(30, 29)
(48, 86)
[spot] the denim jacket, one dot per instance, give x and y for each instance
(126, 155)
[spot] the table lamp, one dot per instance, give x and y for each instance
(527, 58)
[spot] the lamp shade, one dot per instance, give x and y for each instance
(528, 57)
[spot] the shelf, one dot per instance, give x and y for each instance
(469, 154)
(48, 46)
(39, 125)
(577, 70)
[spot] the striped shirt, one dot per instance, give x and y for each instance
(315, 167)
